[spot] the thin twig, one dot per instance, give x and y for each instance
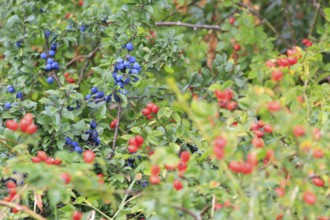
(96, 209)
(123, 201)
(316, 4)
(116, 131)
(316, 14)
(66, 98)
(264, 21)
(88, 56)
(56, 79)
(226, 17)
(194, 26)
(82, 71)
(22, 208)
(285, 8)
(59, 83)
(213, 206)
(6, 139)
(319, 174)
(176, 11)
(80, 57)
(196, 217)
(205, 209)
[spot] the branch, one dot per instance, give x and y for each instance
(56, 79)
(285, 8)
(264, 21)
(176, 11)
(81, 75)
(194, 26)
(22, 208)
(205, 209)
(96, 209)
(226, 17)
(196, 217)
(88, 56)
(319, 174)
(116, 131)
(316, 14)
(66, 99)
(59, 83)
(317, 5)
(213, 205)
(123, 201)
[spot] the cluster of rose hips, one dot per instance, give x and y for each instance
(154, 178)
(11, 187)
(251, 162)
(98, 96)
(183, 163)
(135, 143)
(149, 110)
(181, 167)
(68, 78)
(293, 55)
(93, 135)
(299, 131)
(26, 124)
(219, 147)
(124, 70)
(244, 167)
(307, 42)
(11, 89)
(259, 129)
(43, 157)
(225, 99)
(88, 158)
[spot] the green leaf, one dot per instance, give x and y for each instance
(13, 20)
(54, 195)
(168, 69)
(327, 14)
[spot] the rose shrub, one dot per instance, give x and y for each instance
(147, 109)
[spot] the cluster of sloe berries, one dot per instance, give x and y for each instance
(11, 89)
(98, 96)
(49, 57)
(75, 145)
(93, 138)
(70, 108)
(125, 70)
(93, 135)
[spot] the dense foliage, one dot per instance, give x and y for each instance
(156, 109)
